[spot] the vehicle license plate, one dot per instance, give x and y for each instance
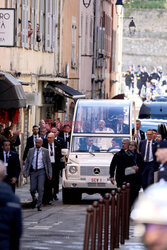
(97, 180)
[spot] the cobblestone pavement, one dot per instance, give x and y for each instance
(59, 226)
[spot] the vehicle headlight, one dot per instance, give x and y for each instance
(73, 169)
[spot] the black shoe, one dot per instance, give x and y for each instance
(55, 198)
(39, 209)
(34, 202)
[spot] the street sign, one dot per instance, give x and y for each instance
(7, 20)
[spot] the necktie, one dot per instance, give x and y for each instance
(36, 167)
(51, 150)
(148, 152)
(7, 158)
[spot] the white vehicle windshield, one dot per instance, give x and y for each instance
(110, 117)
(96, 144)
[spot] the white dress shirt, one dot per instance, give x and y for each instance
(40, 159)
(52, 157)
(5, 161)
(34, 138)
(151, 158)
(138, 136)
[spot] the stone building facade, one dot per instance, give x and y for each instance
(148, 46)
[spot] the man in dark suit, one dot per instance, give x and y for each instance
(119, 126)
(67, 135)
(55, 156)
(11, 218)
(139, 135)
(12, 164)
(147, 149)
(31, 141)
(89, 146)
(120, 161)
(58, 139)
(161, 155)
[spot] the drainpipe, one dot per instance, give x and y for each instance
(94, 48)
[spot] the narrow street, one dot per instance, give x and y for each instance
(59, 226)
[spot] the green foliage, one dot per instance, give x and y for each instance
(146, 4)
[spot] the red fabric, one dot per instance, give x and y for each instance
(12, 115)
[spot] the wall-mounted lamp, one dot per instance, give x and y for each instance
(119, 5)
(132, 27)
(86, 3)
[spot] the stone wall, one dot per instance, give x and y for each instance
(148, 46)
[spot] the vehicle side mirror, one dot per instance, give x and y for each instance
(65, 151)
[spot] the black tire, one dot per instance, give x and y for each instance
(70, 196)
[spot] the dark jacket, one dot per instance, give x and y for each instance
(13, 168)
(142, 134)
(29, 144)
(85, 149)
(61, 142)
(124, 125)
(120, 161)
(57, 149)
(142, 148)
(144, 77)
(11, 219)
(135, 179)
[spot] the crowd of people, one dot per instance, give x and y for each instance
(42, 159)
(137, 161)
(148, 84)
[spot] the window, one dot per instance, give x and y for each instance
(102, 117)
(24, 23)
(48, 25)
(73, 44)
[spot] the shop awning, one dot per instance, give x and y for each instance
(11, 92)
(69, 92)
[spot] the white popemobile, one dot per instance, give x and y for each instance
(98, 129)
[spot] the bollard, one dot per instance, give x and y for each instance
(127, 210)
(100, 224)
(88, 227)
(94, 225)
(118, 217)
(112, 226)
(123, 215)
(106, 221)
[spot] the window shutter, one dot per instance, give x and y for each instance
(17, 22)
(32, 21)
(41, 22)
(23, 32)
(47, 25)
(102, 40)
(98, 40)
(13, 3)
(26, 24)
(53, 25)
(35, 24)
(7, 3)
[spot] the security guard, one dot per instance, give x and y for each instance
(138, 76)
(161, 155)
(150, 216)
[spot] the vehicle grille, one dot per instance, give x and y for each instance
(89, 171)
